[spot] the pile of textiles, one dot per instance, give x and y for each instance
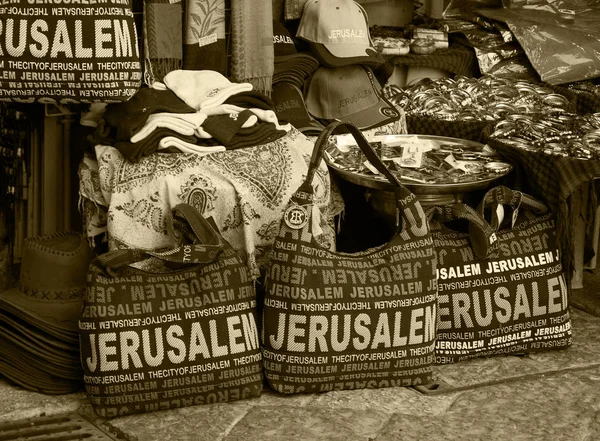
(192, 111)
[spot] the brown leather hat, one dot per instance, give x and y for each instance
(52, 283)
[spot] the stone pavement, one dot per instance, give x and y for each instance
(549, 396)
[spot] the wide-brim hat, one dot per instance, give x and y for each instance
(31, 378)
(338, 33)
(350, 94)
(52, 283)
(52, 344)
(44, 364)
(41, 345)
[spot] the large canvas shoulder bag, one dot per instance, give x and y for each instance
(333, 320)
(68, 52)
(153, 340)
(504, 296)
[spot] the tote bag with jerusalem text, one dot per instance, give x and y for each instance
(68, 52)
(336, 321)
(178, 333)
(512, 299)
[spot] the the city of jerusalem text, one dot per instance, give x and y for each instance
(68, 51)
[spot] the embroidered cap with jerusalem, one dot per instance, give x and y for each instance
(338, 33)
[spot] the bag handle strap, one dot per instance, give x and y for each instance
(483, 237)
(502, 195)
(322, 142)
(201, 243)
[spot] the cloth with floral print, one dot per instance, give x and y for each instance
(245, 192)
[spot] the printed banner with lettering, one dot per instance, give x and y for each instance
(68, 51)
(514, 301)
(335, 321)
(161, 340)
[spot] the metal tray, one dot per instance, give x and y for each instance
(371, 180)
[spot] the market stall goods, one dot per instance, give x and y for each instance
(38, 319)
(565, 135)
(63, 53)
(334, 321)
(427, 162)
(349, 93)
(181, 334)
(487, 98)
(501, 284)
(245, 191)
(338, 33)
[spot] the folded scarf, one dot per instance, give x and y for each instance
(170, 144)
(130, 116)
(225, 127)
(252, 51)
(170, 121)
(260, 133)
(134, 151)
(202, 89)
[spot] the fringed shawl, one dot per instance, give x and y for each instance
(163, 39)
(252, 44)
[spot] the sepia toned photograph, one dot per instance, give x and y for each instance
(299, 220)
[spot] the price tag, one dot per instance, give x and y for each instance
(209, 39)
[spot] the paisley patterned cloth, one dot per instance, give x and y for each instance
(245, 191)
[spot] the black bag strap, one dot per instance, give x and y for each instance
(200, 243)
(483, 237)
(502, 195)
(322, 142)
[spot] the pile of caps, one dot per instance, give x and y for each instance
(567, 134)
(487, 98)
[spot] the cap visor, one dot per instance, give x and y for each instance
(327, 58)
(295, 113)
(314, 129)
(378, 115)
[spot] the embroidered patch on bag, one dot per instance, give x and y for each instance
(295, 217)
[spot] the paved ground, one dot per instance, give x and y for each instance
(550, 396)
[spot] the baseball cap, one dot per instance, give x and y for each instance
(290, 65)
(349, 93)
(283, 43)
(290, 107)
(338, 33)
